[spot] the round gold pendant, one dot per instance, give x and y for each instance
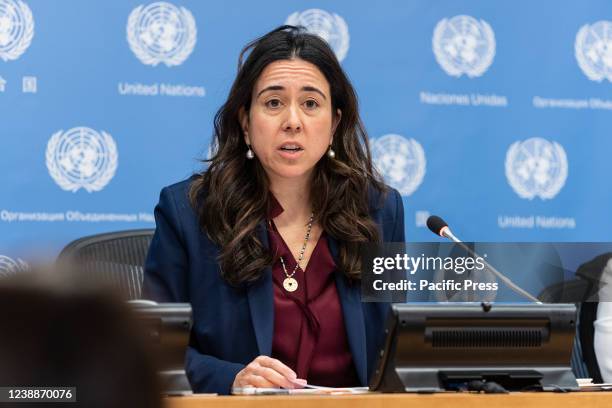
(290, 284)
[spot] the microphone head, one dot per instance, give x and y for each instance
(435, 224)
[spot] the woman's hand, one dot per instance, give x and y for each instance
(267, 372)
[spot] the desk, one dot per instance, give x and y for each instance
(445, 400)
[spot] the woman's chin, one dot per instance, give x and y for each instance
(291, 172)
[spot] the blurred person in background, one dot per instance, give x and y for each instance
(55, 332)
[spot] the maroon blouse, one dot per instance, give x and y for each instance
(309, 333)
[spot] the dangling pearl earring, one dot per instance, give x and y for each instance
(330, 153)
(249, 154)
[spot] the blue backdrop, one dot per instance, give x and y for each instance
(495, 115)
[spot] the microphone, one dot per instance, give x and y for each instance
(439, 227)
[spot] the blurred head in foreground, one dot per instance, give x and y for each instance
(55, 335)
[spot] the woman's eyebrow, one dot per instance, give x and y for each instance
(313, 89)
(271, 88)
(282, 88)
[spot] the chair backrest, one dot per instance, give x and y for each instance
(115, 258)
(573, 291)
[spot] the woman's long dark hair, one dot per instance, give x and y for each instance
(231, 196)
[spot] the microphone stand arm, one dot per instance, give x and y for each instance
(446, 232)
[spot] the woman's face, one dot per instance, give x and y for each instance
(290, 124)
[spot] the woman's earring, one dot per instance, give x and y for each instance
(249, 154)
(330, 153)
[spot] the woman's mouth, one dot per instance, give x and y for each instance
(291, 150)
(291, 147)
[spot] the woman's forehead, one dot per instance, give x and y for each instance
(293, 72)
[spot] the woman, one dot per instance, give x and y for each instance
(264, 244)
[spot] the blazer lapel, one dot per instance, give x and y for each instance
(261, 302)
(350, 298)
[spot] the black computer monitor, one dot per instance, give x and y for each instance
(433, 347)
(167, 328)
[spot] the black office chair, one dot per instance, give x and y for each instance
(115, 259)
(582, 292)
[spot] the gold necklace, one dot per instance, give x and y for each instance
(289, 283)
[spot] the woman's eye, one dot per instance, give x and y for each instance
(311, 104)
(273, 103)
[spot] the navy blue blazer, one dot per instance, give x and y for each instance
(232, 326)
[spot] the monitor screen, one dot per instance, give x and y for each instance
(431, 347)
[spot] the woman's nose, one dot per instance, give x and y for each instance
(293, 121)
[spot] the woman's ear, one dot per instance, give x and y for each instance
(335, 123)
(243, 117)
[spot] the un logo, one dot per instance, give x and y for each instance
(10, 266)
(82, 158)
(536, 167)
(463, 45)
(593, 49)
(401, 161)
(331, 27)
(16, 28)
(161, 32)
